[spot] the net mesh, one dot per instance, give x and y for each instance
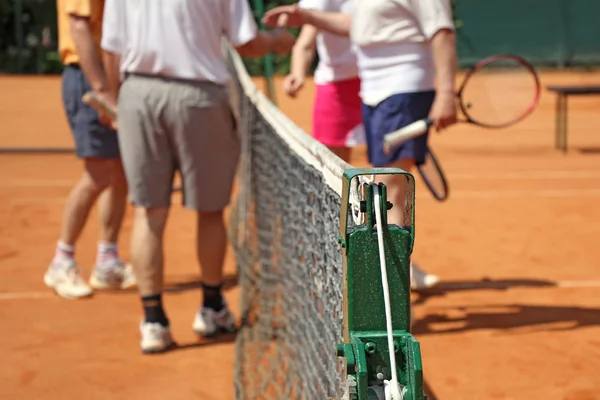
(284, 228)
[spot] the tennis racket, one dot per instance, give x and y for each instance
(92, 100)
(482, 97)
(433, 176)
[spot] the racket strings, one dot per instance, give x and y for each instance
(500, 93)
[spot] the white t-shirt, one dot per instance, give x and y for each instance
(392, 44)
(179, 39)
(336, 59)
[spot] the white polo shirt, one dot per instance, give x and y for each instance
(392, 43)
(336, 59)
(176, 38)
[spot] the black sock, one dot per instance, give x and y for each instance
(213, 297)
(153, 310)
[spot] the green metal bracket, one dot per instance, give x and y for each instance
(365, 347)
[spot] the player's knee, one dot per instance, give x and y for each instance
(210, 216)
(152, 218)
(98, 174)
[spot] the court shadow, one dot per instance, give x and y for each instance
(589, 150)
(229, 282)
(429, 391)
(183, 284)
(447, 287)
(204, 342)
(509, 318)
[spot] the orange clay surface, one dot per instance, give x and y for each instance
(516, 317)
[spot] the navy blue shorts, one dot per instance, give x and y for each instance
(92, 139)
(391, 114)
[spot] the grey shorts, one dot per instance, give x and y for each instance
(92, 139)
(167, 126)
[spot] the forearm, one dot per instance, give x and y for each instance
(89, 57)
(444, 54)
(301, 61)
(332, 22)
(111, 66)
(260, 46)
(303, 52)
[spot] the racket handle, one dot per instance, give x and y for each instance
(91, 99)
(406, 133)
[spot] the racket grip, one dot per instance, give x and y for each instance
(406, 133)
(91, 99)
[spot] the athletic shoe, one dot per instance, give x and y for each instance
(63, 277)
(420, 280)
(155, 338)
(209, 322)
(118, 275)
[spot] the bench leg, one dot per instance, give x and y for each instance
(561, 123)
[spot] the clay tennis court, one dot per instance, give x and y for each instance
(517, 317)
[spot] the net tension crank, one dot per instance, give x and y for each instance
(382, 359)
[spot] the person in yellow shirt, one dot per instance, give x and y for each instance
(103, 180)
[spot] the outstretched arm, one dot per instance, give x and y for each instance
(294, 17)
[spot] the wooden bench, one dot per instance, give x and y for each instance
(563, 92)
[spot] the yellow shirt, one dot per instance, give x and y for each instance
(92, 9)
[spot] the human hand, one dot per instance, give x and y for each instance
(293, 84)
(443, 110)
(290, 16)
(283, 41)
(106, 106)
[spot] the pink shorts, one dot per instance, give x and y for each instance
(337, 114)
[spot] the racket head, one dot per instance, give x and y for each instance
(483, 95)
(433, 175)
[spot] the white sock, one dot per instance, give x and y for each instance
(107, 252)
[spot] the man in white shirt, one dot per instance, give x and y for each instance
(337, 115)
(406, 56)
(174, 114)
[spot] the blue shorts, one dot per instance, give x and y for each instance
(391, 114)
(92, 139)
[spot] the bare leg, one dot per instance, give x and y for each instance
(395, 188)
(112, 205)
(211, 246)
(95, 178)
(147, 249)
(62, 275)
(214, 315)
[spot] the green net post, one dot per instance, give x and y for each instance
(365, 347)
(269, 69)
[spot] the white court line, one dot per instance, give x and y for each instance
(518, 194)
(7, 296)
(578, 284)
(465, 176)
(12, 296)
(525, 175)
(38, 183)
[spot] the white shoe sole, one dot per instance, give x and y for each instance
(157, 346)
(63, 293)
(97, 284)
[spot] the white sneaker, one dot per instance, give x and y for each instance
(63, 277)
(117, 276)
(420, 279)
(209, 322)
(155, 337)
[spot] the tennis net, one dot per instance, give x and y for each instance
(284, 228)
